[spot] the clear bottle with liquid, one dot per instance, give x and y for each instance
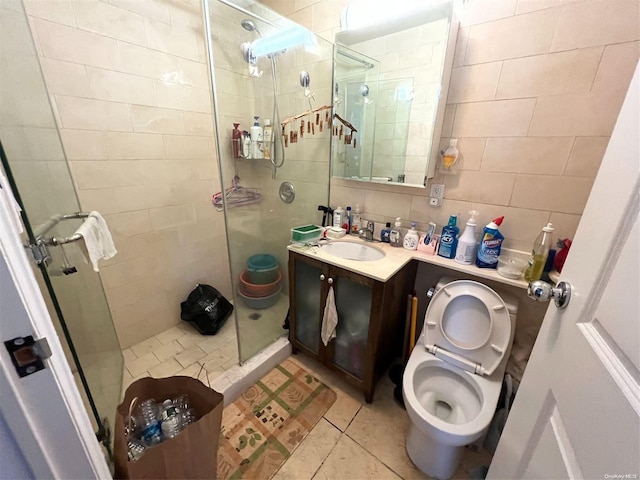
(539, 254)
(396, 236)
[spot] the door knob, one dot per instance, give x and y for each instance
(542, 292)
(322, 277)
(330, 281)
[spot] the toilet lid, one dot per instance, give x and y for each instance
(469, 319)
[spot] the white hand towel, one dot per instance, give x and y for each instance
(329, 319)
(6, 196)
(97, 238)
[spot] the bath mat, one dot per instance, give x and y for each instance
(262, 428)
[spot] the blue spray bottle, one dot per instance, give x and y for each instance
(490, 245)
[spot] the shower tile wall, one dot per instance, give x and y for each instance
(535, 91)
(130, 87)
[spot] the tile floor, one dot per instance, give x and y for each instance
(356, 440)
(353, 440)
(181, 350)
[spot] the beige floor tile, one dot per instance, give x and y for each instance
(170, 335)
(128, 355)
(311, 453)
(211, 343)
(142, 364)
(169, 350)
(147, 346)
(190, 338)
(214, 360)
(350, 460)
(190, 355)
(166, 369)
(381, 428)
(342, 412)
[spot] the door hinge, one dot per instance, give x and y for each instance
(40, 251)
(27, 354)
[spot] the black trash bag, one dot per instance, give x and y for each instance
(206, 309)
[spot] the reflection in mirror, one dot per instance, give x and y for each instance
(355, 88)
(405, 62)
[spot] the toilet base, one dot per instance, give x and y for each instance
(435, 459)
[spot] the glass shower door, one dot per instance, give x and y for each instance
(242, 90)
(34, 162)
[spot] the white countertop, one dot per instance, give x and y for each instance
(395, 258)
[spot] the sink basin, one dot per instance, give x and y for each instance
(353, 251)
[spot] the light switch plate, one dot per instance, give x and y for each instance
(437, 194)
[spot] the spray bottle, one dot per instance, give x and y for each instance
(490, 245)
(466, 251)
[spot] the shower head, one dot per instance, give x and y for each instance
(250, 26)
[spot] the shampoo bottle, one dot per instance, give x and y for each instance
(256, 139)
(466, 251)
(385, 233)
(268, 138)
(449, 238)
(395, 236)
(411, 238)
(490, 245)
(539, 254)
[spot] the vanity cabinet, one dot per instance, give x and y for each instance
(371, 318)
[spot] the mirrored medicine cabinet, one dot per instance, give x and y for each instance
(391, 76)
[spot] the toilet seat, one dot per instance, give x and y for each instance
(468, 324)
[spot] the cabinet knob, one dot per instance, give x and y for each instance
(330, 281)
(322, 277)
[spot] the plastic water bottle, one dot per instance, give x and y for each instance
(150, 425)
(171, 419)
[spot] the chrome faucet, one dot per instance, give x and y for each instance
(367, 232)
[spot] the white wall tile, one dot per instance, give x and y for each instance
(504, 118)
(550, 74)
(544, 155)
(504, 38)
(474, 83)
(587, 24)
(134, 146)
(86, 114)
(73, 45)
(108, 20)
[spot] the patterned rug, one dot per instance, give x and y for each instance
(263, 427)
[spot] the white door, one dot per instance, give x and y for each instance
(45, 430)
(577, 412)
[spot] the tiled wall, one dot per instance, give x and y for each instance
(130, 86)
(535, 92)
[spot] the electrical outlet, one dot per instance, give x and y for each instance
(437, 194)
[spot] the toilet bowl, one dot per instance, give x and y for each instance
(452, 381)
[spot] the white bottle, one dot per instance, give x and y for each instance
(338, 217)
(411, 238)
(268, 138)
(356, 221)
(256, 139)
(466, 251)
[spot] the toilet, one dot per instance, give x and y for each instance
(452, 381)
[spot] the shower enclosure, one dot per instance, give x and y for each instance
(268, 86)
(34, 162)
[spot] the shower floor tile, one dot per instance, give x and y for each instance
(181, 350)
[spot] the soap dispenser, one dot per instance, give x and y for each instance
(410, 241)
(466, 250)
(395, 236)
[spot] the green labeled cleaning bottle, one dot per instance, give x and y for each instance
(539, 254)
